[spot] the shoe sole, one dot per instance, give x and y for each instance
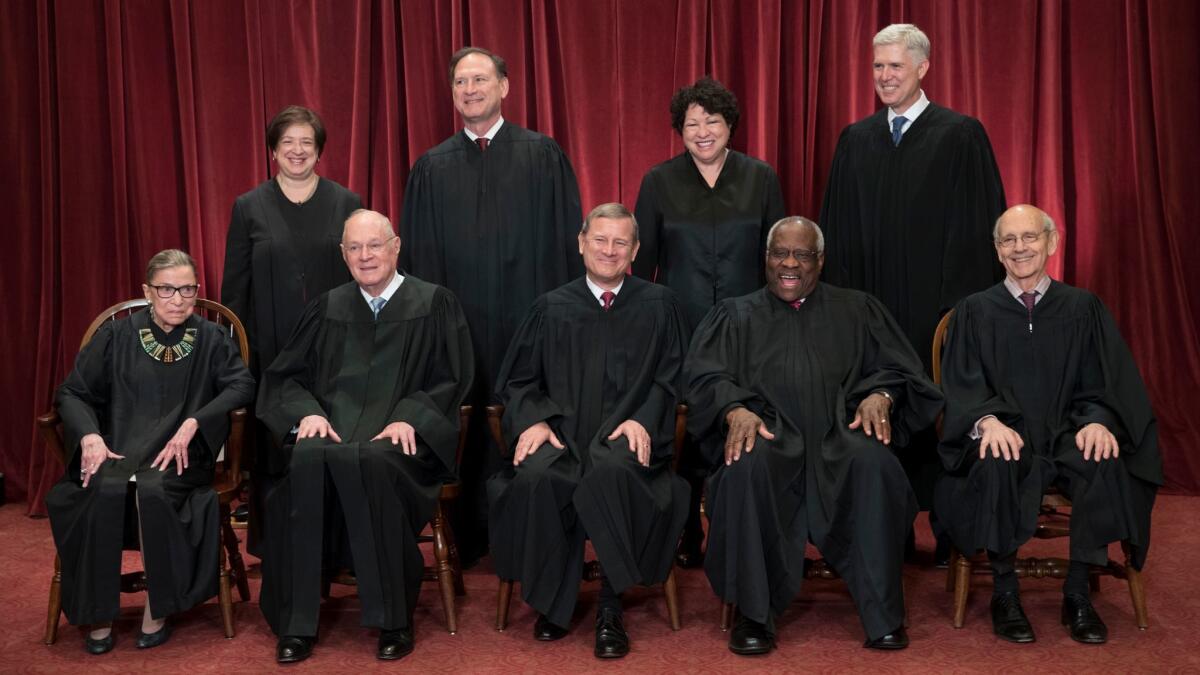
(752, 652)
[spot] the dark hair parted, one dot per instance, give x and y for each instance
(710, 95)
(166, 259)
(497, 61)
(295, 114)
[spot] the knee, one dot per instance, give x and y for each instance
(876, 460)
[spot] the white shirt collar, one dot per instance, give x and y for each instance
(1042, 286)
(387, 292)
(914, 111)
(597, 291)
(491, 133)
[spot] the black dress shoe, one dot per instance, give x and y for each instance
(102, 646)
(547, 632)
(688, 555)
(941, 553)
(1009, 621)
(395, 644)
(897, 639)
(1085, 624)
(158, 637)
(241, 514)
(612, 642)
(750, 638)
(294, 648)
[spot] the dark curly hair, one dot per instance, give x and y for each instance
(710, 95)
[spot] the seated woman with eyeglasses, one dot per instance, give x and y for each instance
(148, 402)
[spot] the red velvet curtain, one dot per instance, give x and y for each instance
(130, 126)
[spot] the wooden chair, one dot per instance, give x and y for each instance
(225, 482)
(591, 569)
(1053, 522)
(446, 569)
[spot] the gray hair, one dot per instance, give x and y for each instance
(612, 211)
(797, 220)
(166, 259)
(914, 40)
(374, 215)
(1047, 223)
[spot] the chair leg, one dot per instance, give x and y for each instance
(954, 556)
(237, 566)
(459, 588)
(225, 596)
(503, 596)
(1137, 592)
(1094, 582)
(672, 593)
(962, 586)
(445, 572)
(726, 615)
(54, 607)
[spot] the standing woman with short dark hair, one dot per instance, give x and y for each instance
(282, 248)
(704, 216)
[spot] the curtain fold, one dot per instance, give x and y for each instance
(131, 127)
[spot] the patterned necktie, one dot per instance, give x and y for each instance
(1030, 299)
(796, 303)
(377, 304)
(607, 298)
(482, 142)
(897, 127)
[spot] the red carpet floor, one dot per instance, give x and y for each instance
(820, 633)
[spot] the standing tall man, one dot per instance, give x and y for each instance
(510, 192)
(912, 195)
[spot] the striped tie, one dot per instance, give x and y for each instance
(377, 304)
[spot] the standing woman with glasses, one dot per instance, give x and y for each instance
(282, 250)
(148, 401)
(704, 216)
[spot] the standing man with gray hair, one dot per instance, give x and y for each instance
(799, 391)
(908, 210)
(491, 214)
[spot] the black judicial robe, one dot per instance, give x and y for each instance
(498, 228)
(804, 372)
(584, 371)
(136, 404)
(279, 256)
(911, 224)
(706, 242)
(412, 365)
(1072, 369)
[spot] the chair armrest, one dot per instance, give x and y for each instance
(50, 426)
(494, 414)
(234, 445)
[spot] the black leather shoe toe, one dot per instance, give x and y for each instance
(102, 646)
(293, 648)
(545, 631)
(612, 642)
(1081, 618)
(1009, 621)
(897, 639)
(395, 644)
(750, 638)
(158, 637)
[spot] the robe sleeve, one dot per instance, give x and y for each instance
(840, 219)
(773, 208)
(231, 380)
(649, 219)
(969, 394)
(236, 283)
(433, 410)
(657, 412)
(422, 248)
(285, 396)
(87, 389)
(710, 371)
(976, 200)
(890, 363)
(567, 212)
(521, 384)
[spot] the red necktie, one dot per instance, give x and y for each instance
(607, 298)
(482, 142)
(1029, 298)
(796, 303)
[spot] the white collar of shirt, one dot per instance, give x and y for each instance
(491, 133)
(1043, 285)
(597, 291)
(387, 292)
(914, 111)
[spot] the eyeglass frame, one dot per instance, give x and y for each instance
(1029, 238)
(802, 255)
(375, 247)
(159, 288)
